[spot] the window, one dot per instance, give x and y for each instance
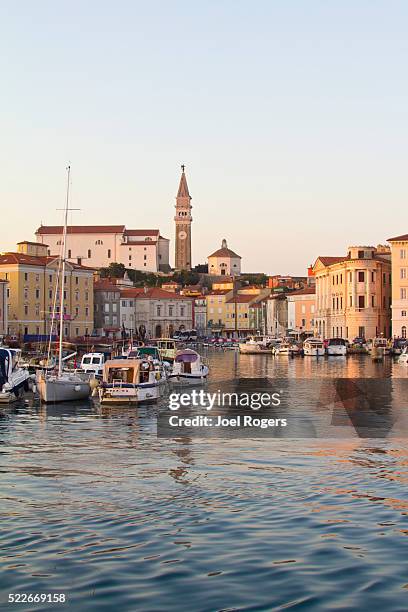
(361, 332)
(50, 278)
(25, 294)
(76, 280)
(372, 301)
(124, 303)
(350, 277)
(37, 294)
(403, 313)
(170, 311)
(361, 301)
(76, 311)
(37, 277)
(89, 253)
(114, 307)
(144, 257)
(351, 300)
(312, 309)
(37, 310)
(106, 319)
(403, 331)
(69, 253)
(403, 293)
(182, 308)
(98, 242)
(360, 254)
(106, 307)
(109, 253)
(403, 273)
(87, 311)
(77, 331)
(361, 276)
(303, 322)
(403, 254)
(130, 258)
(114, 320)
(158, 311)
(86, 296)
(303, 309)
(26, 310)
(26, 276)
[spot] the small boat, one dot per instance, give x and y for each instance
(403, 358)
(314, 347)
(92, 363)
(336, 346)
(256, 345)
(188, 368)
(380, 346)
(287, 349)
(14, 380)
(152, 353)
(129, 381)
(167, 348)
(61, 386)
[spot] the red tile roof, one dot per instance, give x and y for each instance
(398, 238)
(225, 252)
(81, 229)
(155, 293)
(241, 299)
(304, 291)
(141, 232)
(329, 261)
(35, 260)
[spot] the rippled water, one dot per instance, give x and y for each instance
(95, 505)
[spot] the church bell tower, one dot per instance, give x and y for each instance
(183, 221)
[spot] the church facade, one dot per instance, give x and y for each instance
(183, 220)
(224, 262)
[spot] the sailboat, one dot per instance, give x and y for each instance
(62, 386)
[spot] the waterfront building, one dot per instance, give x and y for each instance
(224, 262)
(353, 293)
(277, 315)
(183, 220)
(3, 307)
(277, 281)
(107, 307)
(172, 286)
(399, 273)
(161, 313)
(216, 310)
(31, 274)
(100, 245)
(200, 315)
(301, 311)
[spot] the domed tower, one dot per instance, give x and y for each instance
(183, 221)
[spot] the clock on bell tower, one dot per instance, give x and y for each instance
(183, 221)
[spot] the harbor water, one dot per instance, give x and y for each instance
(95, 505)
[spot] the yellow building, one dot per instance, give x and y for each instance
(399, 272)
(353, 293)
(228, 312)
(216, 310)
(31, 276)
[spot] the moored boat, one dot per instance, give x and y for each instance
(314, 347)
(336, 347)
(286, 349)
(167, 348)
(255, 345)
(188, 368)
(14, 380)
(129, 381)
(403, 358)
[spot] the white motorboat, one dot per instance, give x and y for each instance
(336, 346)
(129, 381)
(60, 386)
(188, 368)
(286, 349)
(379, 346)
(92, 363)
(14, 380)
(255, 345)
(314, 347)
(167, 348)
(403, 358)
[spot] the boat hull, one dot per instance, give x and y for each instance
(336, 351)
(186, 379)
(314, 352)
(132, 394)
(54, 390)
(254, 349)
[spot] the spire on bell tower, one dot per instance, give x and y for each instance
(183, 221)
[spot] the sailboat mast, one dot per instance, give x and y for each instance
(62, 279)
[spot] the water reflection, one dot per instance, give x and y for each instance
(95, 504)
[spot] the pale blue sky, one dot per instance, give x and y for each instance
(291, 118)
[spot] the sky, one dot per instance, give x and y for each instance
(290, 116)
